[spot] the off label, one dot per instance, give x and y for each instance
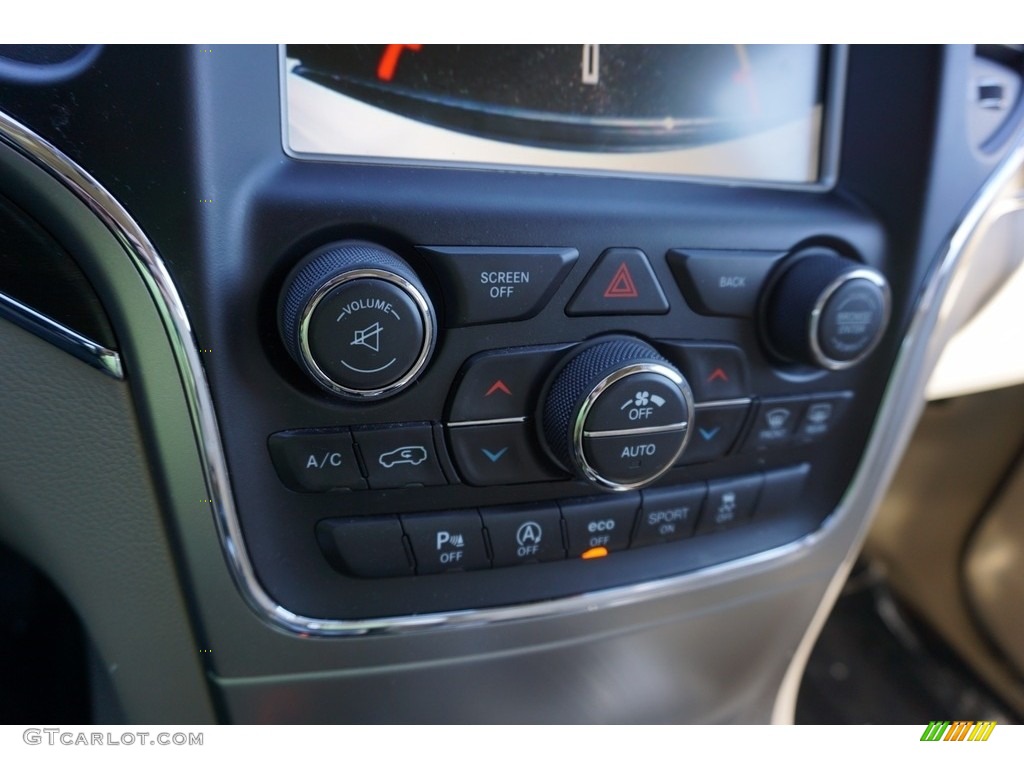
(501, 284)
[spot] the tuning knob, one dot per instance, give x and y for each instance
(358, 320)
(826, 310)
(617, 414)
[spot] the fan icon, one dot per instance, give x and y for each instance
(640, 399)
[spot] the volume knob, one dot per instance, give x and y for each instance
(358, 321)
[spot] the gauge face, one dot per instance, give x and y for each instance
(570, 100)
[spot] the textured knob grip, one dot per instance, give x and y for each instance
(356, 318)
(826, 310)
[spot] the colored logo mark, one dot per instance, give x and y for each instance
(958, 730)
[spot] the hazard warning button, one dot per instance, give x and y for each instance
(621, 283)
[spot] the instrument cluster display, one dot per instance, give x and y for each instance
(725, 111)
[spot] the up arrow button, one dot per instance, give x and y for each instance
(620, 283)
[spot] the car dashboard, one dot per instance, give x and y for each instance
(404, 383)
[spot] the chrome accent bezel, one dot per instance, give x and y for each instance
(577, 433)
(486, 422)
(814, 320)
(426, 349)
(676, 427)
(75, 344)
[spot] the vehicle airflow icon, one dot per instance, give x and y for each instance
(777, 417)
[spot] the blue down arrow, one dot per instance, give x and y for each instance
(707, 434)
(495, 455)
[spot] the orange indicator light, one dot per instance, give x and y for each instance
(593, 552)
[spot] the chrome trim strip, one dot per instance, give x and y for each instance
(677, 427)
(930, 327)
(62, 337)
(486, 422)
(908, 380)
(724, 403)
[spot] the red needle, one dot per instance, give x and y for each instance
(388, 62)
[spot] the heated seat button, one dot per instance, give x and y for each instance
(621, 283)
(367, 547)
(502, 384)
(668, 514)
(524, 534)
(774, 423)
(597, 526)
(488, 285)
(400, 456)
(714, 371)
(315, 461)
(729, 502)
(722, 282)
(499, 454)
(447, 542)
(822, 414)
(715, 429)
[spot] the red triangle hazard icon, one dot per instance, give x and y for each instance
(622, 285)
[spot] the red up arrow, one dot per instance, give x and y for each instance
(718, 375)
(498, 386)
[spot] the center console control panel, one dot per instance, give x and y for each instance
(459, 446)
